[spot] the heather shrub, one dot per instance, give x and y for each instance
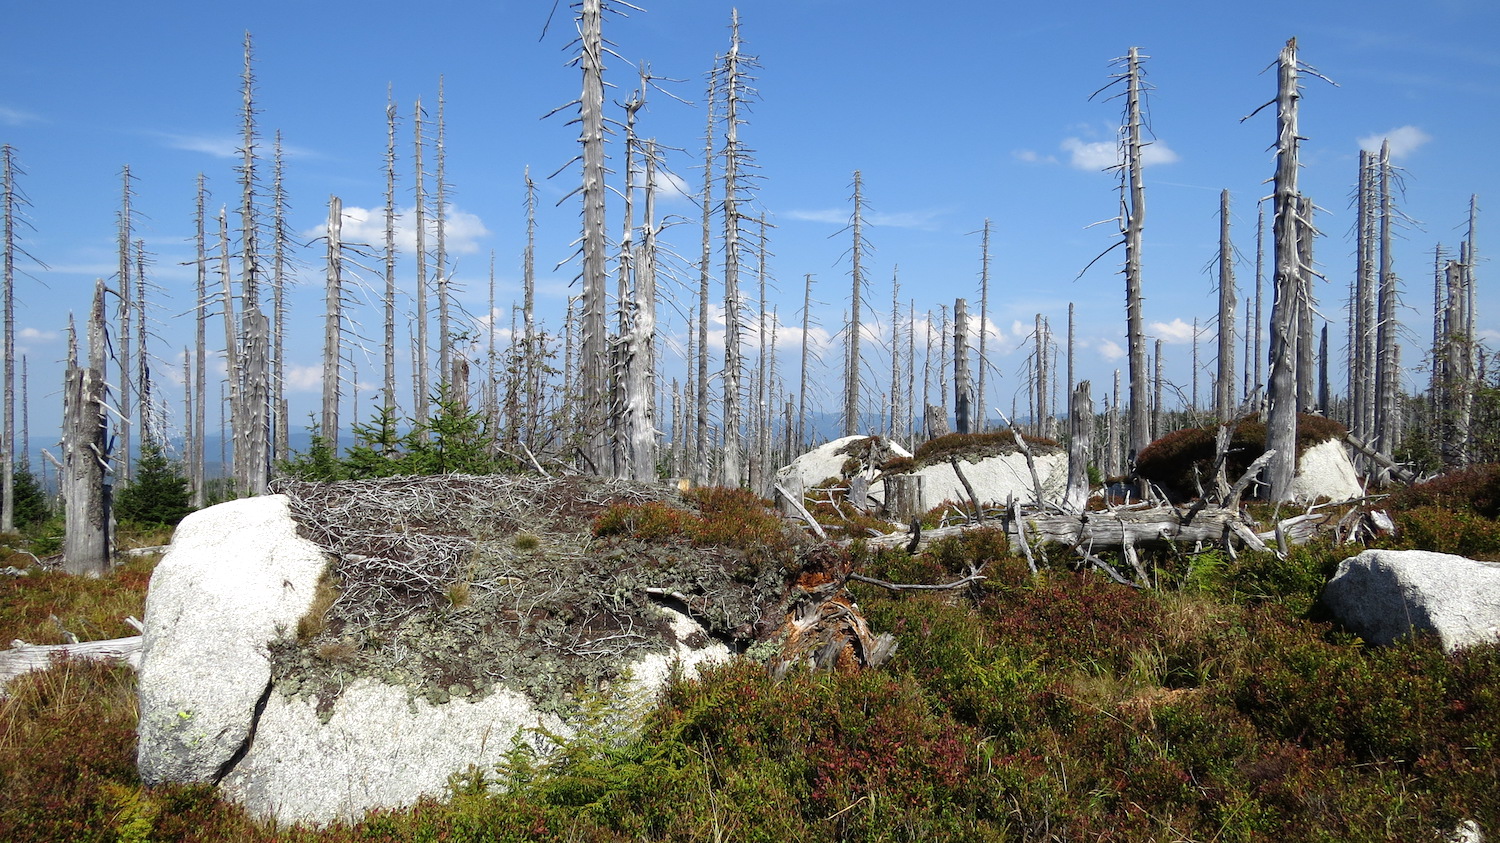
(1176, 460)
(1475, 490)
(1445, 530)
(66, 735)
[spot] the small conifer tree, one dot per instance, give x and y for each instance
(158, 496)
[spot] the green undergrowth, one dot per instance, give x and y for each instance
(1057, 706)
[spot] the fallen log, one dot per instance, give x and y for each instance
(1108, 529)
(24, 658)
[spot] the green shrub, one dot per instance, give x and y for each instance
(1445, 530)
(158, 493)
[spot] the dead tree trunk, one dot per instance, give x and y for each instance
(1132, 224)
(333, 325)
(962, 388)
(8, 203)
(388, 261)
(1281, 428)
(86, 539)
(1080, 445)
(123, 297)
(196, 463)
(421, 367)
(1224, 384)
(984, 317)
(280, 237)
(1387, 371)
(856, 273)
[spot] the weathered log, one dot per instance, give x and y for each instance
(24, 658)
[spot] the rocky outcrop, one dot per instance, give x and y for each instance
(1385, 595)
(236, 579)
(217, 707)
(381, 747)
(1325, 471)
(838, 460)
(995, 479)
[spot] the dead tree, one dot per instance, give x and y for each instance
(1224, 383)
(1362, 306)
(1387, 427)
(594, 351)
(1306, 352)
(197, 459)
(10, 201)
(440, 254)
(895, 402)
(962, 388)
(232, 356)
(280, 236)
(86, 536)
(123, 312)
(421, 367)
(1080, 445)
(1290, 275)
(984, 319)
(701, 458)
(639, 352)
(1132, 223)
(852, 330)
(333, 325)
(802, 380)
(388, 260)
(734, 83)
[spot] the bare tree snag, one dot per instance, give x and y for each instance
(962, 389)
(86, 538)
(1224, 383)
(1080, 445)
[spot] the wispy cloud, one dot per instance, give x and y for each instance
(224, 146)
(1404, 141)
(16, 117)
(367, 225)
(825, 215)
(924, 220)
(1031, 156)
(1101, 155)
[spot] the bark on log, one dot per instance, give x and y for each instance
(23, 657)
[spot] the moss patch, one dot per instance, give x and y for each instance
(972, 447)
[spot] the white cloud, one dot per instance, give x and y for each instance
(38, 335)
(1404, 141)
(17, 117)
(1101, 155)
(1176, 331)
(367, 226)
(304, 378)
(1109, 350)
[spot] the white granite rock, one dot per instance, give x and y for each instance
(1325, 471)
(236, 578)
(1385, 595)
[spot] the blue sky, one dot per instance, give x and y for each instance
(953, 114)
